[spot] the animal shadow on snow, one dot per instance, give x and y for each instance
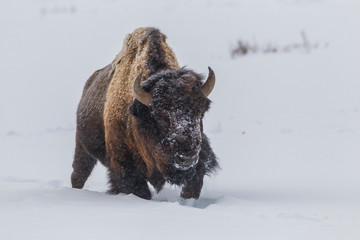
(172, 195)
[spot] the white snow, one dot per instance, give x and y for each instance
(286, 127)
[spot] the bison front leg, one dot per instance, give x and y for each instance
(207, 164)
(124, 174)
(126, 178)
(192, 188)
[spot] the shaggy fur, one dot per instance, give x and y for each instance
(139, 144)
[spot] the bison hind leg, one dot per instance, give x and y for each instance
(83, 165)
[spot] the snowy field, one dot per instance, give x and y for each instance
(285, 126)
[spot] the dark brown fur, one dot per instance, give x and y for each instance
(135, 142)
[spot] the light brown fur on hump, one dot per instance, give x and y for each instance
(128, 64)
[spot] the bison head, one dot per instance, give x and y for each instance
(169, 107)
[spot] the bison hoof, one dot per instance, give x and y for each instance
(77, 181)
(144, 196)
(143, 193)
(188, 195)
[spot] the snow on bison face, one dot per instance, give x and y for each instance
(175, 103)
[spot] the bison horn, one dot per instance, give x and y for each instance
(142, 96)
(208, 86)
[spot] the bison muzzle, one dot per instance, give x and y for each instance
(141, 117)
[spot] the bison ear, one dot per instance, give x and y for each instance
(208, 86)
(142, 96)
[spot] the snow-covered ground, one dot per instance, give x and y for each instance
(286, 127)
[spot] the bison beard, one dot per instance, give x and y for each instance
(152, 135)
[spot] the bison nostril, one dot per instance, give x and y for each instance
(182, 160)
(188, 160)
(184, 163)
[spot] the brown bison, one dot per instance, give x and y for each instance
(149, 132)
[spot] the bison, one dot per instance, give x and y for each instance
(141, 117)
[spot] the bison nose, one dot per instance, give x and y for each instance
(185, 162)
